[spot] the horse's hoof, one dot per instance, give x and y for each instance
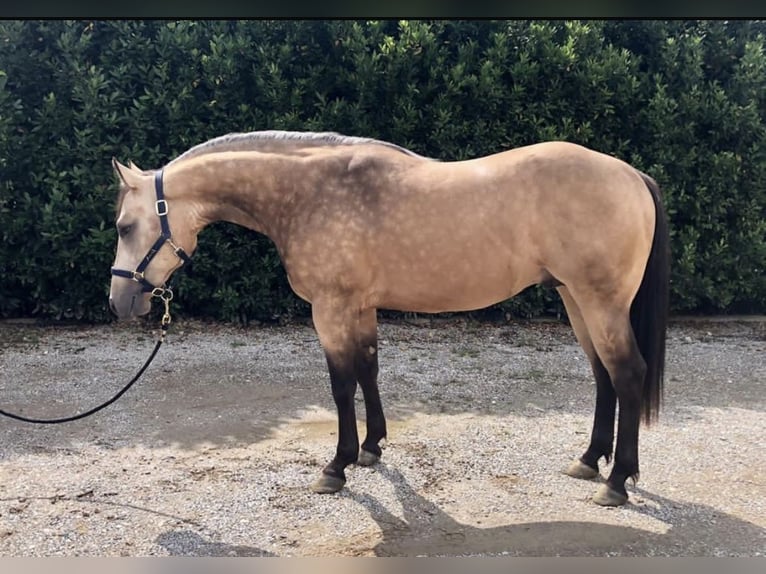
(366, 458)
(578, 469)
(607, 496)
(327, 484)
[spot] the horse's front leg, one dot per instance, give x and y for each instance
(337, 328)
(366, 366)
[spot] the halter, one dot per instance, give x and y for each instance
(161, 209)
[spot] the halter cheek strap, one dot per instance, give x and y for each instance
(161, 209)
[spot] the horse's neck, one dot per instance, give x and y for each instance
(251, 192)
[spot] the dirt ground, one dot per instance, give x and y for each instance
(212, 452)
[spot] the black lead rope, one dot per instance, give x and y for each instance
(164, 327)
(93, 410)
(163, 292)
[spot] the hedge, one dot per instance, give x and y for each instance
(681, 100)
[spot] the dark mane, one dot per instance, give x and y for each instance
(277, 140)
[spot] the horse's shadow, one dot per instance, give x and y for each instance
(426, 530)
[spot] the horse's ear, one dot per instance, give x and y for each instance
(134, 167)
(127, 175)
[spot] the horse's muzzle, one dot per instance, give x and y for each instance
(130, 303)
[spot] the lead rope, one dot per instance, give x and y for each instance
(167, 296)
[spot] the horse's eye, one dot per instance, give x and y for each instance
(124, 230)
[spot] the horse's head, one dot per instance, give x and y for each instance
(147, 253)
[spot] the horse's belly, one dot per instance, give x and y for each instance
(437, 286)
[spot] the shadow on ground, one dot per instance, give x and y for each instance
(426, 530)
(694, 530)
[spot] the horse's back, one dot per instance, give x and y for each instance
(536, 199)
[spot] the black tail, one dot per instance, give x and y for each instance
(650, 308)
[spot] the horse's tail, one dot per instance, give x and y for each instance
(650, 308)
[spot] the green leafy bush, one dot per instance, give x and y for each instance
(681, 100)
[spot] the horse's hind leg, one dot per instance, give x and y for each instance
(602, 435)
(612, 336)
(366, 367)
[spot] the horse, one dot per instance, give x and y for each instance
(362, 224)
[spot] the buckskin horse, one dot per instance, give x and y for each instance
(362, 224)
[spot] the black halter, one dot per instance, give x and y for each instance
(161, 209)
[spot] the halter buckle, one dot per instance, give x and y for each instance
(161, 207)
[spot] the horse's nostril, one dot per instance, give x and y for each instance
(111, 306)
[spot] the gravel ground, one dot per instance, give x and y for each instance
(212, 452)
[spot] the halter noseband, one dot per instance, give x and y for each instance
(161, 209)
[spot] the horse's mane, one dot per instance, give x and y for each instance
(273, 140)
(280, 140)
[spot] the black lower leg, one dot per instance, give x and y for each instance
(626, 453)
(602, 436)
(343, 384)
(628, 386)
(366, 366)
